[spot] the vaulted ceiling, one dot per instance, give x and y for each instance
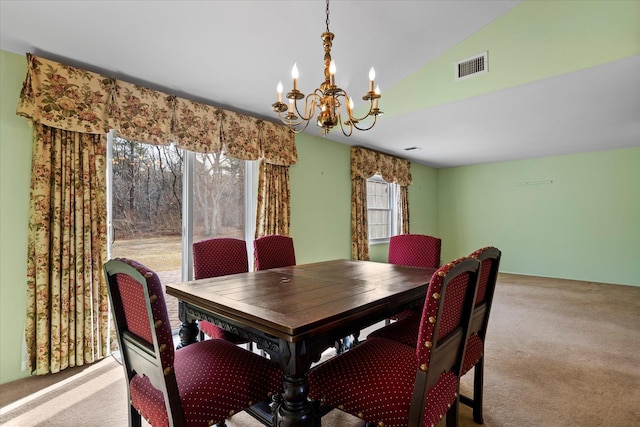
(563, 76)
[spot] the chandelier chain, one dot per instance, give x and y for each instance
(327, 16)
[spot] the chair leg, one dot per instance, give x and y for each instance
(317, 413)
(276, 402)
(135, 419)
(453, 414)
(478, 379)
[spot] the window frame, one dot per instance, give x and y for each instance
(250, 206)
(393, 209)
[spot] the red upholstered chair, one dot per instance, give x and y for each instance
(273, 251)
(219, 257)
(490, 263)
(385, 382)
(406, 329)
(169, 387)
(415, 250)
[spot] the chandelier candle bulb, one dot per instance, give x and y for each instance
(332, 72)
(294, 74)
(372, 77)
(279, 90)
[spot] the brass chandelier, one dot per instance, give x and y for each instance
(328, 98)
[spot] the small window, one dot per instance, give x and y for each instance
(382, 209)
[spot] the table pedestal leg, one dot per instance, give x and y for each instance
(188, 330)
(294, 409)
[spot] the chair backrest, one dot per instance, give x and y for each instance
(489, 258)
(219, 257)
(143, 329)
(444, 327)
(415, 250)
(273, 251)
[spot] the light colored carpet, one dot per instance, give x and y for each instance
(558, 353)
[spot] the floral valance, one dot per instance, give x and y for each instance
(366, 163)
(65, 97)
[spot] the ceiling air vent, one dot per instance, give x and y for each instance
(473, 66)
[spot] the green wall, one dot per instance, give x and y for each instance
(321, 200)
(574, 217)
(15, 173)
(533, 41)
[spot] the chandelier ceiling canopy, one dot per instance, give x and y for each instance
(334, 104)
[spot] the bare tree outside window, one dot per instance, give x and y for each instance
(147, 204)
(218, 196)
(147, 189)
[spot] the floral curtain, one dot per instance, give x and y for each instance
(404, 209)
(364, 164)
(68, 308)
(72, 109)
(70, 98)
(273, 200)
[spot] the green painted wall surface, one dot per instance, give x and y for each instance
(576, 35)
(574, 217)
(423, 200)
(321, 200)
(15, 174)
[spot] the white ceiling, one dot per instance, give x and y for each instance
(232, 54)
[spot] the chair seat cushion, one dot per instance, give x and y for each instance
(208, 391)
(213, 331)
(405, 330)
(473, 353)
(374, 381)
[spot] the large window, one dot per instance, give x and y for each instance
(162, 199)
(382, 209)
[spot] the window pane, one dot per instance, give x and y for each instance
(379, 221)
(381, 208)
(218, 196)
(377, 195)
(147, 208)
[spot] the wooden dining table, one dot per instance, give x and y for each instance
(295, 313)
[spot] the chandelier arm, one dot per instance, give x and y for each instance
(309, 106)
(312, 102)
(375, 118)
(350, 124)
(293, 125)
(288, 120)
(369, 113)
